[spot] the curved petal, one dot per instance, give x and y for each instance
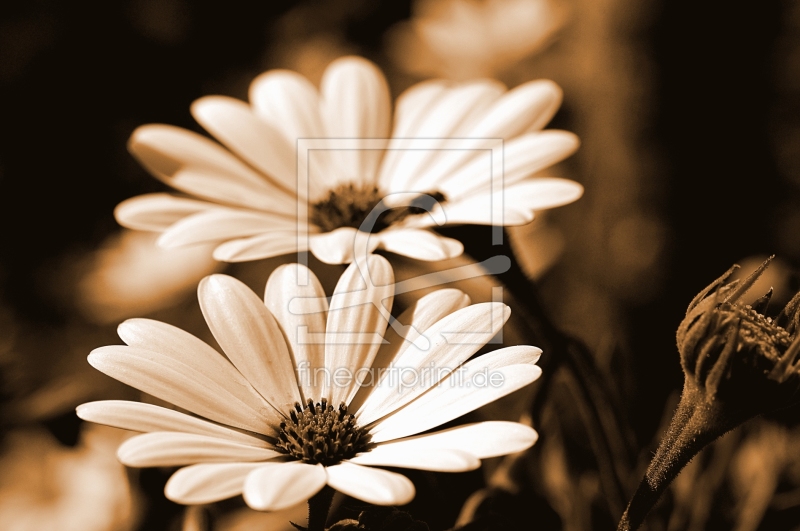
(208, 482)
(436, 459)
(520, 202)
(415, 320)
(250, 336)
(522, 157)
(163, 448)
(340, 246)
(289, 102)
(156, 212)
(225, 397)
(138, 416)
(439, 352)
(419, 244)
(357, 318)
(480, 381)
(480, 439)
(296, 299)
(258, 247)
(372, 485)
(223, 224)
(233, 123)
(275, 486)
(165, 150)
(355, 104)
(529, 106)
(454, 111)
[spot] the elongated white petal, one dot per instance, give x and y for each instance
(357, 319)
(234, 124)
(441, 351)
(250, 336)
(224, 397)
(208, 482)
(276, 486)
(289, 102)
(419, 244)
(415, 320)
(435, 459)
(454, 112)
(522, 157)
(275, 243)
(482, 380)
(218, 188)
(165, 150)
(340, 246)
(372, 485)
(355, 104)
(301, 310)
(480, 439)
(156, 212)
(529, 106)
(137, 416)
(164, 448)
(223, 224)
(520, 202)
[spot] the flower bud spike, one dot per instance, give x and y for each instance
(762, 303)
(749, 281)
(711, 287)
(722, 366)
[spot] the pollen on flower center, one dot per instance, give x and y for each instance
(318, 433)
(355, 206)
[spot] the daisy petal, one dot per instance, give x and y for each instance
(441, 351)
(156, 212)
(437, 460)
(165, 150)
(234, 124)
(357, 318)
(137, 416)
(527, 107)
(275, 486)
(250, 336)
(453, 112)
(208, 482)
(223, 224)
(419, 244)
(275, 243)
(301, 311)
(339, 246)
(520, 201)
(482, 380)
(522, 157)
(415, 320)
(218, 188)
(372, 485)
(289, 102)
(224, 397)
(481, 439)
(355, 104)
(165, 448)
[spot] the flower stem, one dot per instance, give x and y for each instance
(318, 507)
(695, 424)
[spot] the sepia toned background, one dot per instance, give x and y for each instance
(689, 118)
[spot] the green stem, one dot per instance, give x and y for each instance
(318, 507)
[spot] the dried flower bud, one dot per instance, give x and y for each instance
(732, 352)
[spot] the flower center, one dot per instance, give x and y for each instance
(758, 332)
(318, 433)
(355, 206)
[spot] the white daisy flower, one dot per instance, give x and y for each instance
(246, 198)
(262, 422)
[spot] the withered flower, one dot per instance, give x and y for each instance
(737, 362)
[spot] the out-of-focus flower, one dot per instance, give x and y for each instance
(45, 485)
(311, 395)
(433, 168)
(130, 275)
(466, 39)
(737, 362)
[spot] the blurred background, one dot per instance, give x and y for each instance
(689, 117)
